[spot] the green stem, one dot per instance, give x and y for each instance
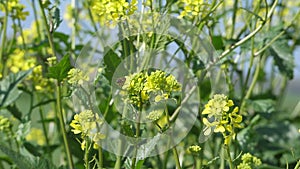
(137, 135)
(45, 131)
(231, 166)
(297, 165)
(119, 158)
(4, 29)
(22, 34)
(100, 154)
(249, 36)
(86, 154)
(166, 160)
(252, 85)
(50, 39)
(62, 125)
(175, 153)
(74, 21)
(234, 18)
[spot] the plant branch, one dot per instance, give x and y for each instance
(249, 36)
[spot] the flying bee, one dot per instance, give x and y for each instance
(120, 81)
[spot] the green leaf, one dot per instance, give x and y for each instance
(8, 87)
(145, 150)
(217, 42)
(262, 105)
(139, 164)
(111, 60)
(13, 109)
(283, 57)
(32, 149)
(127, 130)
(21, 161)
(61, 69)
(44, 163)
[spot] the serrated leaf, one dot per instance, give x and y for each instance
(283, 58)
(61, 69)
(21, 161)
(8, 87)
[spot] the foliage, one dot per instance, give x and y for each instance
(66, 102)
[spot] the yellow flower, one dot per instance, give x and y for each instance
(19, 61)
(52, 61)
(109, 12)
(223, 118)
(15, 9)
(37, 136)
(140, 88)
(195, 149)
(249, 161)
(155, 115)
(192, 8)
(5, 124)
(76, 77)
(87, 124)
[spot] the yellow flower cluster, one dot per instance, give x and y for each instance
(76, 77)
(195, 149)
(249, 162)
(155, 115)
(52, 61)
(140, 88)
(87, 124)
(109, 12)
(37, 136)
(40, 83)
(6, 126)
(15, 9)
(192, 8)
(221, 116)
(20, 61)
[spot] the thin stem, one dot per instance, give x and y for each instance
(86, 154)
(245, 39)
(137, 135)
(234, 18)
(4, 29)
(50, 39)
(166, 160)
(45, 131)
(22, 34)
(62, 125)
(297, 165)
(175, 153)
(276, 37)
(249, 92)
(100, 154)
(231, 166)
(74, 21)
(119, 158)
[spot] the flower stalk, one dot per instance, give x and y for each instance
(62, 125)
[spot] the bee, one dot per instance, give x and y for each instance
(120, 81)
